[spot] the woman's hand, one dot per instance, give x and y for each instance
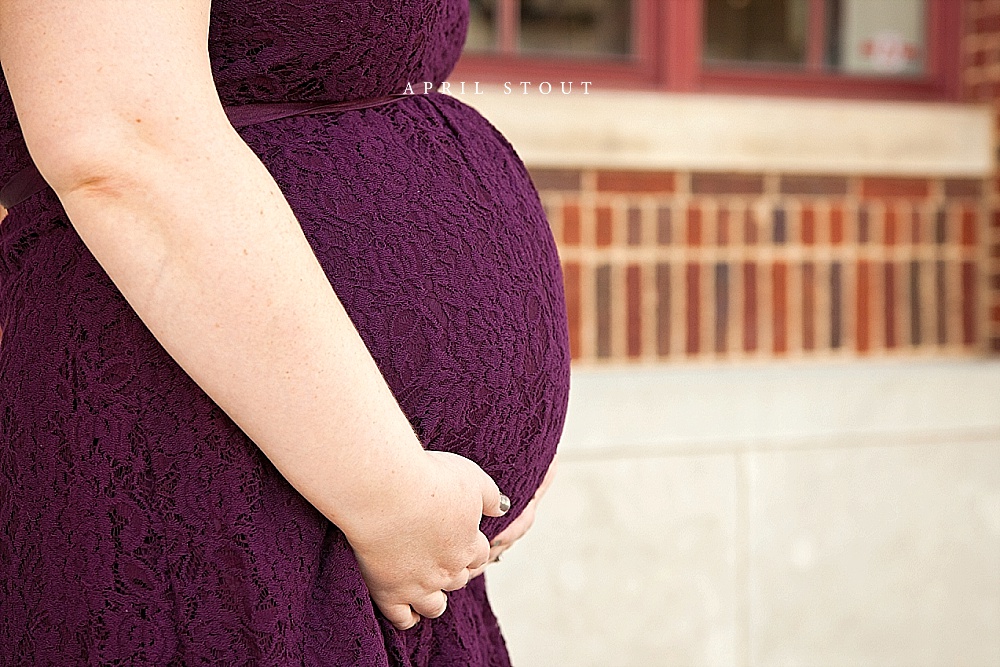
(3, 213)
(519, 526)
(432, 543)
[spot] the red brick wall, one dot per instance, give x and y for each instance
(982, 84)
(707, 265)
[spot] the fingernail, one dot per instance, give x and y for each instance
(504, 503)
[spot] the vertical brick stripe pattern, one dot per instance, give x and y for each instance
(981, 79)
(775, 266)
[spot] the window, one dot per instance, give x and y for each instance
(899, 49)
(856, 37)
(560, 28)
(608, 42)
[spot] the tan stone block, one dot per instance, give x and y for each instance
(885, 556)
(630, 563)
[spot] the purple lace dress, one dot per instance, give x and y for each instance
(138, 524)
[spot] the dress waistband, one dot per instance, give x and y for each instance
(29, 181)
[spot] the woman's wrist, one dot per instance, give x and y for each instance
(379, 496)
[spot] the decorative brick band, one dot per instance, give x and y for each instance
(731, 266)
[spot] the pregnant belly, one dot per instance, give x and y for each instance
(433, 237)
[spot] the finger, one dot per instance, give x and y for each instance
(432, 606)
(400, 615)
(494, 502)
(495, 552)
(549, 476)
(461, 581)
(482, 554)
(518, 527)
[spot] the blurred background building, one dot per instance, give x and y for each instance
(779, 227)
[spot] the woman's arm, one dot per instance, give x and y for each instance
(121, 115)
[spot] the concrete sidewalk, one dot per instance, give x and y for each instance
(807, 514)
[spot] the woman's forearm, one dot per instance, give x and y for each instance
(209, 254)
(204, 246)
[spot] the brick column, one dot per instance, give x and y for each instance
(981, 48)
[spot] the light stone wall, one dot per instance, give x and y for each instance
(806, 514)
(648, 130)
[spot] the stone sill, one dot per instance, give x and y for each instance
(735, 133)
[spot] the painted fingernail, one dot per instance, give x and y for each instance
(504, 503)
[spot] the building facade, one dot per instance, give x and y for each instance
(780, 235)
(743, 180)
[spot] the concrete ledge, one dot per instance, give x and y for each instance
(715, 132)
(629, 412)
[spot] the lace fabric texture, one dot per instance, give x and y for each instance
(138, 524)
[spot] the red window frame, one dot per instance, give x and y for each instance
(643, 71)
(668, 57)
